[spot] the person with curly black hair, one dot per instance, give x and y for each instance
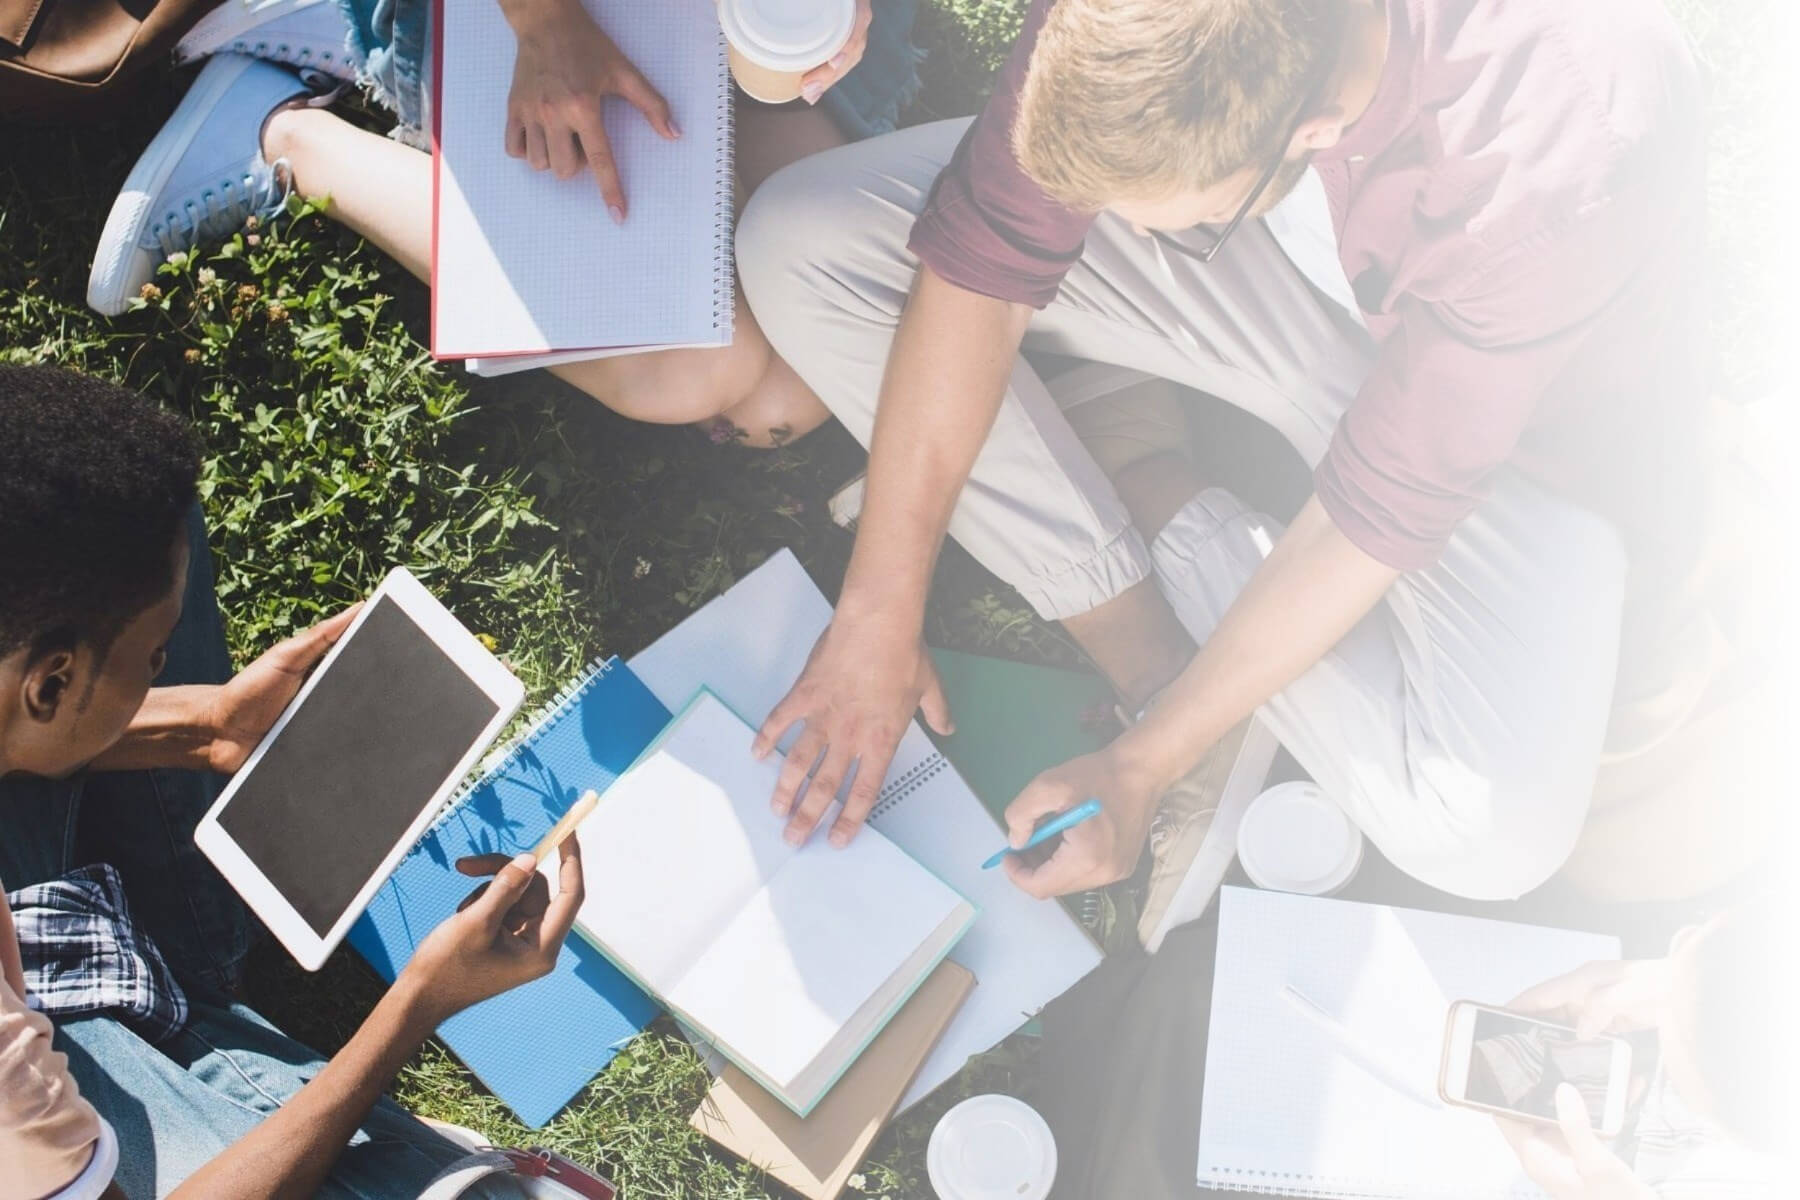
(124, 1063)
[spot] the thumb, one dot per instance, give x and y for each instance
(1041, 798)
(933, 704)
(1589, 1153)
(298, 653)
(503, 891)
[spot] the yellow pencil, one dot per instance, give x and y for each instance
(577, 813)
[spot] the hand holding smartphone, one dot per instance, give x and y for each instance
(1511, 1065)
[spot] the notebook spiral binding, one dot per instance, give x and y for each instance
(725, 205)
(1336, 1187)
(503, 757)
(899, 787)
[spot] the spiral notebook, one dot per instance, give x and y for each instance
(1326, 1036)
(585, 1010)
(528, 268)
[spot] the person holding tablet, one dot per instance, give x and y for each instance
(105, 589)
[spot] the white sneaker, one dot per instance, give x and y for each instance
(304, 34)
(198, 180)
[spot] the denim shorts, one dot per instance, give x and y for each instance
(391, 40)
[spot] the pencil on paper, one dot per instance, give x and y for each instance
(1371, 1060)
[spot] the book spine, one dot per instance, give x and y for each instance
(725, 202)
(503, 758)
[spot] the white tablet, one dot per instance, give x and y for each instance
(357, 767)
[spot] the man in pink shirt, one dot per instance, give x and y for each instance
(1493, 379)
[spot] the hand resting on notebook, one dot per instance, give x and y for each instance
(565, 70)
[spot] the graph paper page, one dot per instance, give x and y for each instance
(526, 263)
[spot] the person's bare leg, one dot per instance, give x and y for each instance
(382, 190)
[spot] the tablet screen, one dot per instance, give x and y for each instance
(355, 764)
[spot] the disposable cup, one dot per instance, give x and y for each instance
(991, 1148)
(1294, 839)
(774, 43)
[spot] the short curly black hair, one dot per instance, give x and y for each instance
(95, 482)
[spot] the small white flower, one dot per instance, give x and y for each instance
(857, 1183)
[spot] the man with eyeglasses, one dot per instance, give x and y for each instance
(1490, 369)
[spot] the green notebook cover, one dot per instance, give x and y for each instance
(1015, 720)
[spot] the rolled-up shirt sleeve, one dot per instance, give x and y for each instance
(1455, 386)
(48, 1131)
(987, 227)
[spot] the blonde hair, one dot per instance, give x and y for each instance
(1149, 98)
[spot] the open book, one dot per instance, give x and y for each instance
(788, 960)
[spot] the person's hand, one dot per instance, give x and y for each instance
(817, 81)
(1614, 996)
(506, 933)
(1102, 849)
(858, 691)
(240, 712)
(1570, 1162)
(565, 69)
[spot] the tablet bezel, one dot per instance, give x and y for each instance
(482, 669)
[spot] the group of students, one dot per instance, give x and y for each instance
(1445, 248)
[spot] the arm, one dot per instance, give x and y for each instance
(1311, 590)
(508, 934)
(952, 356)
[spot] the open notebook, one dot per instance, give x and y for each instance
(526, 265)
(787, 960)
(749, 645)
(1290, 1110)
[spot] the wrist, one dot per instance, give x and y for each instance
(1147, 761)
(529, 16)
(410, 1004)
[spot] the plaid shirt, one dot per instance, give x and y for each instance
(83, 954)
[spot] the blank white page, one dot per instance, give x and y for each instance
(1283, 1103)
(525, 262)
(768, 948)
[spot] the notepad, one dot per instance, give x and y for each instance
(537, 1045)
(1286, 1110)
(788, 960)
(749, 645)
(525, 264)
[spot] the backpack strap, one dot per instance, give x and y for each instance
(564, 1177)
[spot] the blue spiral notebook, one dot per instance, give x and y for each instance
(536, 1046)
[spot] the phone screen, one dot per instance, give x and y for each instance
(1516, 1063)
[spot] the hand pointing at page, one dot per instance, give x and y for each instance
(565, 70)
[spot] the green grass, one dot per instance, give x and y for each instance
(335, 448)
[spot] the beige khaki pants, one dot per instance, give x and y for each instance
(1460, 725)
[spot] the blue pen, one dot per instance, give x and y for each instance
(1045, 832)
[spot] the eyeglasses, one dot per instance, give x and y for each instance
(1211, 250)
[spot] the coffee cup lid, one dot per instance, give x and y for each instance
(788, 35)
(991, 1148)
(1294, 839)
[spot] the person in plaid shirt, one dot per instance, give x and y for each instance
(125, 1067)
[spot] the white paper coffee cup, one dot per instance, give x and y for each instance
(991, 1148)
(1294, 839)
(774, 43)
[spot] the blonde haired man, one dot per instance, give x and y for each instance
(1489, 368)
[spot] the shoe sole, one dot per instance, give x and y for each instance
(130, 210)
(1204, 875)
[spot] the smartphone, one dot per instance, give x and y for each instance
(1511, 1065)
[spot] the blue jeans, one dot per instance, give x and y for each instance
(176, 1106)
